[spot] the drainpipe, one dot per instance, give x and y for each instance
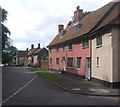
(90, 56)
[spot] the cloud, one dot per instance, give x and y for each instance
(36, 21)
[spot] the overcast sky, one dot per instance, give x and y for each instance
(36, 21)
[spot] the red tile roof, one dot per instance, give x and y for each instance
(100, 17)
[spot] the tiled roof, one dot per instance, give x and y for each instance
(37, 51)
(22, 53)
(88, 23)
(31, 51)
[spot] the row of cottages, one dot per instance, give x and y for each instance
(30, 57)
(88, 46)
(35, 56)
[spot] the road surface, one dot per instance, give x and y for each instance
(21, 86)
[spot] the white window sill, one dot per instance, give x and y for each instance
(70, 67)
(85, 47)
(77, 68)
(98, 46)
(70, 49)
(97, 66)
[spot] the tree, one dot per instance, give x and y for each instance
(44, 57)
(8, 51)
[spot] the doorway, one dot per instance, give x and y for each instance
(63, 64)
(88, 68)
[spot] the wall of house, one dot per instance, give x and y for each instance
(21, 61)
(35, 59)
(116, 55)
(44, 64)
(77, 51)
(104, 70)
(29, 60)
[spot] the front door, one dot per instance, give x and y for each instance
(64, 64)
(88, 65)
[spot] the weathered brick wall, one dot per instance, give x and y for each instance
(44, 64)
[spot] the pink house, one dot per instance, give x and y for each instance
(68, 51)
(35, 56)
(81, 48)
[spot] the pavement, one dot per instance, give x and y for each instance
(75, 84)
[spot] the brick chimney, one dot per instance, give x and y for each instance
(78, 14)
(60, 28)
(32, 46)
(27, 49)
(38, 45)
(69, 23)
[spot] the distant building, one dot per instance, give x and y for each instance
(20, 58)
(35, 56)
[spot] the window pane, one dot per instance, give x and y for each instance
(70, 46)
(70, 62)
(98, 41)
(50, 61)
(85, 43)
(57, 61)
(78, 62)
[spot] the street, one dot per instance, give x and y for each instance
(21, 86)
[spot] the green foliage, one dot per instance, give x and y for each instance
(48, 75)
(44, 57)
(8, 51)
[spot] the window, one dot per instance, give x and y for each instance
(99, 41)
(78, 62)
(85, 43)
(50, 50)
(57, 61)
(63, 48)
(97, 61)
(70, 46)
(78, 26)
(50, 61)
(70, 62)
(63, 33)
(57, 49)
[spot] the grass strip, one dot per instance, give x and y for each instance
(48, 75)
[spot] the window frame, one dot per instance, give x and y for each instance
(68, 62)
(85, 43)
(98, 41)
(57, 49)
(70, 47)
(50, 61)
(78, 68)
(57, 61)
(50, 50)
(63, 48)
(98, 62)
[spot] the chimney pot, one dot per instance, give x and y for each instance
(27, 49)
(78, 14)
(38, 45)
(32, 46)
(60, 28)
(78, 7)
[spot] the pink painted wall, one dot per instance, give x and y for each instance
(77, 51)
(35, 58)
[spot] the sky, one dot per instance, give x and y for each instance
(36, 21)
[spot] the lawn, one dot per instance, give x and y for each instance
(48, 75)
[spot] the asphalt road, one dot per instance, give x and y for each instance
(21, 86)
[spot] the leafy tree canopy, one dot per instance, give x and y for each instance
(8, 51)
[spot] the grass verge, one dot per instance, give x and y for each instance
(48, 75)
